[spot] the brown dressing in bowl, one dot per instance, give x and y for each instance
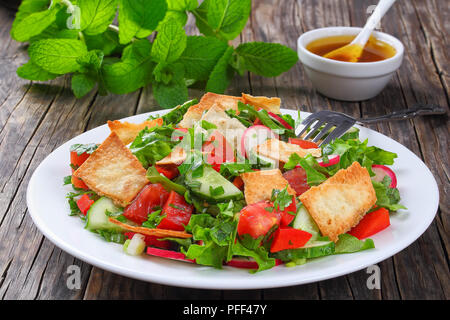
(375, 50)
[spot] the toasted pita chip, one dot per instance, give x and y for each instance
(152, 232)
(176, 157)
(127, 131)
(232, 129)
(258, 185)
(113, 171)
(268, 104)
(281, 151)
(339, 203)
(195, 112)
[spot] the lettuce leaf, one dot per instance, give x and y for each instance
(349, 244)
(153, 144)
(387, 197)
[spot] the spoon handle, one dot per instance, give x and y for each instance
(380, 10)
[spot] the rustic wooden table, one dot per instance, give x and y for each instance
(35, 118)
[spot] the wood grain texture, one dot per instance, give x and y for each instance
(35, 118)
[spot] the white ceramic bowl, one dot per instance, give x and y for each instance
(346, 80)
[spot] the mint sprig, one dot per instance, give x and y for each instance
(78, 38)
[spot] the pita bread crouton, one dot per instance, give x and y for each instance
(258, 185)
(176, 157)
(209, 99)
(113, 171)
(231, 128)
(339, 203)
(268, 104)
(281, 151)
(127, 132)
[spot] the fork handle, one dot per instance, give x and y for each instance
(417, 110)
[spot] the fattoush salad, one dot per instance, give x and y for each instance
(225, 181)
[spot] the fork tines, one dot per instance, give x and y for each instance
(333, 123)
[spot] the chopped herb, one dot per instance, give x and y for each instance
(83, 148)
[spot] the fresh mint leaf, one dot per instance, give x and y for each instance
(266, 59)
(177, 9)
(91, 60)
(201, 56)
(82, 83)
(139, 18)
(132, 72)
(227, 18)
(96, 15)
(30, 71)
(107, 42)
(170, 42)
(171, 94)
(222, 74)
(57, 56)
(29, 24)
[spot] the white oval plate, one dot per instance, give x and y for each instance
(50, 212)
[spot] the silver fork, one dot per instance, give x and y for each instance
(336, 123)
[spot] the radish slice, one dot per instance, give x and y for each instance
(382, 171)
(280, 120)
(253, 136)
(244, 263)
(168, 254)
(332, 160)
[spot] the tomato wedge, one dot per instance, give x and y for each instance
(288, 214)
(76, 159)
(304, 144)
(78, 183)
(297, 180)
(169, 171)
(218, 150)
(177, 211)
(256, 219)
(372, 223)
(150, 197)
(84, 203)
(239, 183)
(289, 238)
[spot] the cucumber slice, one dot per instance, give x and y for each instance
(312, 250)
(305, 222)
(212, 180)
(96, 218)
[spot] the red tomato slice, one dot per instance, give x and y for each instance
(239, 183)
(151, 196)
(169, 171)
(78, 160)
(151, 240)
(256, 221)
(303, 143)
(297, 180)
(177, 211)
(84, 203)
(218, 150)
(78, 183)
(286, 217)
(371, 224)
(289, 238)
